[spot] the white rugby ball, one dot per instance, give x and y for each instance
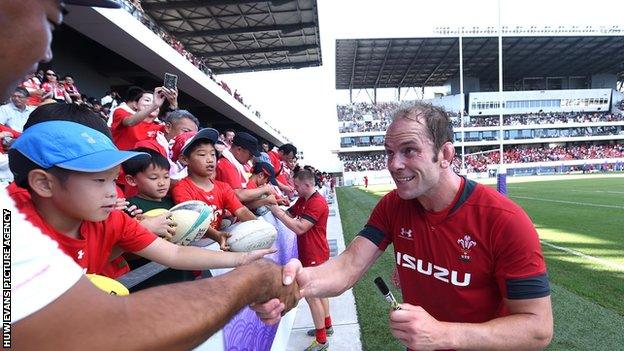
(252, 235)
(192, 219)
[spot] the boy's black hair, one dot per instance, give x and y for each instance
(197, 143)
(139, 164)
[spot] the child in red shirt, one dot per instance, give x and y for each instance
(71, 179)
(196, 151)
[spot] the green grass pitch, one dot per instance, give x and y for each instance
(580, 221)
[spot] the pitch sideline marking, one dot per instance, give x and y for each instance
(566, 202)
(597, 191)
(615, 266)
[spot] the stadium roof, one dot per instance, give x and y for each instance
(418, 62)
(241, 35)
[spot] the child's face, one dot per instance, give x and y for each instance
(153, 183)
(87, 196)
(201, 162)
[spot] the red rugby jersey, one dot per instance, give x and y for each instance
(221, 197)
(125, 137)
(459, 264)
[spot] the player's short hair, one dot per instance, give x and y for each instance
(435, 119)
(141, 163)
(305, 175)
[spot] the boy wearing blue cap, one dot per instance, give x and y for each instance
(70, 173)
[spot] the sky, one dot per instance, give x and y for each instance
(301, 103)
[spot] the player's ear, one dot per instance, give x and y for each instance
(446, 154)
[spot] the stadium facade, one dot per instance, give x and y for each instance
(562, 102)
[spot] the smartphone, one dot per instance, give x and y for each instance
(171, 81)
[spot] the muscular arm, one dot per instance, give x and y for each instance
(170, 317)
(335, 276)
(528, 327)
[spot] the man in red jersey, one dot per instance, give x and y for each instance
(469, 259)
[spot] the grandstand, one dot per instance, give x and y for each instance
(115, 49)
(562, 99)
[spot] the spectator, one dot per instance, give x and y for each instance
(33, 85)
(15, 114)
(52, 89)
(72, 90)
(134, 120)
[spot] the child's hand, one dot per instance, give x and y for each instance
(161, 225)
(270, 200)
(223, 236)
(121, 204)
(251, 256)
(135, 212)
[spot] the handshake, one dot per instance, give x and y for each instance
(277, 292)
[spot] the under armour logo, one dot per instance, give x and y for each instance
(88, 138)
(406, 233)
(80, 254)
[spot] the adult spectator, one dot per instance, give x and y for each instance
(469, 259)
(284, 154)
(54, 90)
(48, 287)
(33, 85)
(72, 90)
(229, 137)
(135, 119)
(15, 114)
(176, 123)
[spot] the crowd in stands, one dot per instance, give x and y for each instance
(541, 118)
(366, 117)
(135, 8)
(374, 161)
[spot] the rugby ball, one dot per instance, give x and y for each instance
(251, 235)
(108, 285)
(192, 220)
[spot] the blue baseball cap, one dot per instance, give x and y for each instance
(71, 146)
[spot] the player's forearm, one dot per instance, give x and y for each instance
(514, 332)
(243, 214)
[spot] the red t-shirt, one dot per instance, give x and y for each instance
(312, 246)
(228, 173)
(220, 198)
(459, 263)
(251, 184)
(275, 161)
(126, 137)
(93, 250)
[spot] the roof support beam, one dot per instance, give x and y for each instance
(173, 5)
(269, 49)
(263, 67)
(409, 67)
(353, 65)
(284, 28)
(446, 55)
(383, 64)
